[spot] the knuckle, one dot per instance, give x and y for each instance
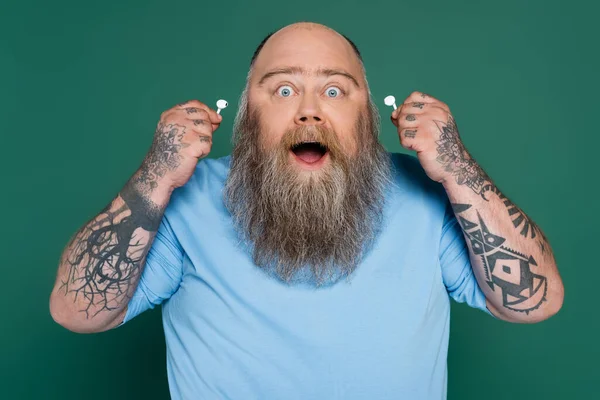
(182, 103)
(196, 103)
(201, 126)
(168, 115)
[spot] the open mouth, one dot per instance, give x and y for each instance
(309, 152)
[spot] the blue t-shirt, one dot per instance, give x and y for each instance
(233, 332)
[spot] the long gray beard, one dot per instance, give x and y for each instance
(311, 225)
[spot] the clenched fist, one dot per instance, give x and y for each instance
(426, 126)
(183, 136)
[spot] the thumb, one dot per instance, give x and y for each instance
(215, 120)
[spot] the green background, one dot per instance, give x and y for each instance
(82, 86)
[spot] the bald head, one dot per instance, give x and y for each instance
(303, 37)
(308, 25)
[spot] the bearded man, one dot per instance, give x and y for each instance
(310, 263)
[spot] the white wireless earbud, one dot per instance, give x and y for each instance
(221, 104)
(390, 101)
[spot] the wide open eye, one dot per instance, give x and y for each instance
(285, 91)
(333, 91)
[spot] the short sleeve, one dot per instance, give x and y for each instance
(455, 263)
(161, 275)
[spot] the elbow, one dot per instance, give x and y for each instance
(70, 319)
(549, 307)
(555, 301)
(62, 315)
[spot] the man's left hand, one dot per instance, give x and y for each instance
(426, 126)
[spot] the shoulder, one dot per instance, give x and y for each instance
(213, 168)
(408, 174)
(204, 187)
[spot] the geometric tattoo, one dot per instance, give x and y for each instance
(505, 269)
(529, 228)
(454, 156)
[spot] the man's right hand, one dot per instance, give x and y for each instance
(183, 136)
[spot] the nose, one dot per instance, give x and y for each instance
(309, 112)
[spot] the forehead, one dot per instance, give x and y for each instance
(310, 50)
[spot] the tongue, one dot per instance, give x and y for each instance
(308, 155)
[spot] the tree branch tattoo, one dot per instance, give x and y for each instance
(105, 257)
(163, 155)
(505, 269)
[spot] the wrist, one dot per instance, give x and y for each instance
(157, 191)
(161, 194)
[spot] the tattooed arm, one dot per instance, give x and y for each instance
(510, 256)
(101, 265)
(509, 253)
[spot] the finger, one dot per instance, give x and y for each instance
(199, 138)
(184, 104)
(193, 106)
(201, 126)
(417, 96)
(202, 145)
(196, 114)
(408, 137)
(409, 133)
(402, 113)
(409, 108)
(420, 97)
(418, 107)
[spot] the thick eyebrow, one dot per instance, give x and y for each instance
(301, 71)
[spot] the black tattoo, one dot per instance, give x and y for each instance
(455, 158)
(104, 258)
(529, 228)
(205, 139)
(191, 110)
(163, 155)
(506, 269)
(418, 105)
(198, 122)
(410, 133)
(410, 117)
(424, 95)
